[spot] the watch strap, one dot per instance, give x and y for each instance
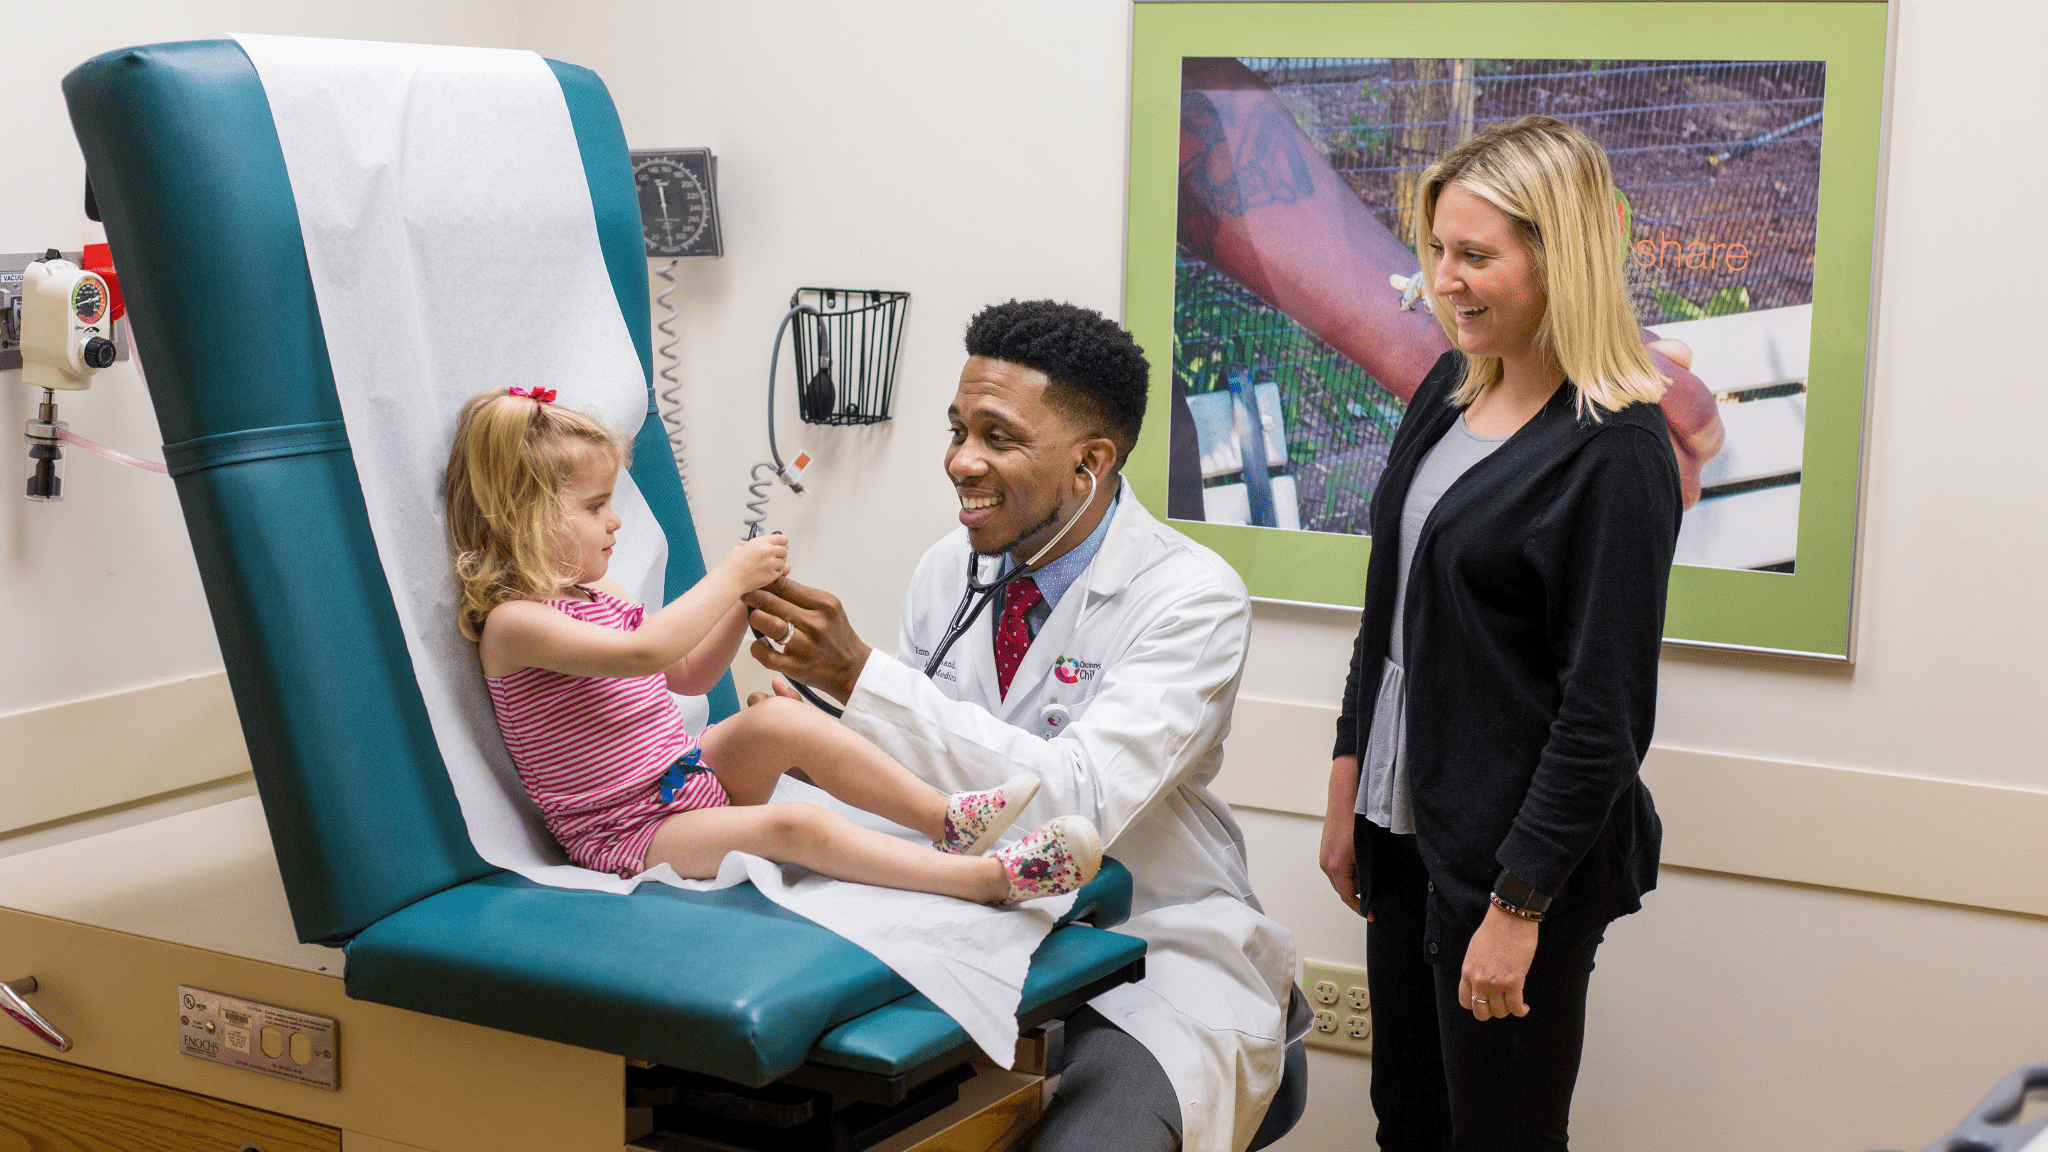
(1515, 895)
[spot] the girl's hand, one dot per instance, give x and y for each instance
(1496, 965)
(759, 562)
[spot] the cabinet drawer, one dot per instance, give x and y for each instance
(50, 1106)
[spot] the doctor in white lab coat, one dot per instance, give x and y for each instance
(1119, 704)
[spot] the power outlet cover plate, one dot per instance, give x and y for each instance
(1343, 1008)
(243, 1034)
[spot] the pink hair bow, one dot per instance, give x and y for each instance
(544, 395)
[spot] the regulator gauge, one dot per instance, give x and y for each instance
(678, 202)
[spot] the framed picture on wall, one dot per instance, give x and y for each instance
(1275, 154)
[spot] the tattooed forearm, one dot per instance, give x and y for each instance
(1225, 177)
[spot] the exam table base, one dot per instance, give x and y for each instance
(410, 1082)
(705, 1114)
(820, 1108)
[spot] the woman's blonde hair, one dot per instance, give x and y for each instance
(513, 459)
(1554, 183)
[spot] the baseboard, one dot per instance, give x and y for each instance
(86, 755)
(1942, 840)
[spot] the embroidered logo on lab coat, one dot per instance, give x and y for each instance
(1071, 671)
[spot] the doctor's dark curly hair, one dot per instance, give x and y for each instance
(1099, 374)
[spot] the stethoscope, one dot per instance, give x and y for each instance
(970, 607)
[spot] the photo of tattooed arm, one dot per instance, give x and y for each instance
(1261, 205)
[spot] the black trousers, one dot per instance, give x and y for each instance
(1442, 1080)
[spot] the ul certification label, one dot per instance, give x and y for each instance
(260, 1037)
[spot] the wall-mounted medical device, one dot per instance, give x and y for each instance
(63, 317)
(678, 190)
(67, 324)
(679, 202)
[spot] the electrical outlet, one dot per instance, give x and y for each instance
(1343, 1007)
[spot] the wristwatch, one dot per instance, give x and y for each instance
(1511, 894)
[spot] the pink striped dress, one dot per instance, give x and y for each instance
(592, 749)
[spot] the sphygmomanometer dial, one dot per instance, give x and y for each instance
(678, 202)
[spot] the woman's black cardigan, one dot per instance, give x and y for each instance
(1534, 617)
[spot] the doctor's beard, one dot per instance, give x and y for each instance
(1051, 518)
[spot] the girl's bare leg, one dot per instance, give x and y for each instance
(753, 749)
(693, 843)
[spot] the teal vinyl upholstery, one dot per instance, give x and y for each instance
(913, 1030)
(725, 982)
(191, 184)
(186, 168)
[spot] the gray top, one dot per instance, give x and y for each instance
(1383, 795)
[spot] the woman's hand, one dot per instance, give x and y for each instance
(1338, 856)
(1496, 965)
(759, 562)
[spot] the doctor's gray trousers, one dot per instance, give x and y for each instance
(1112, 1094)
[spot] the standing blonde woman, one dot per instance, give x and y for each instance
(1484, 806)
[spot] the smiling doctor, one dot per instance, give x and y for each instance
(1108, 668)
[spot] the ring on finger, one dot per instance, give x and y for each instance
(788, 634)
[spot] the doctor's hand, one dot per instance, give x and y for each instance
(819, 646)
(1496, 965)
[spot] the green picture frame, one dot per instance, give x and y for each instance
(1807, 611)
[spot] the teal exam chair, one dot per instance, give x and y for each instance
(717, 996)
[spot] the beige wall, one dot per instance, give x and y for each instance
(971, 152)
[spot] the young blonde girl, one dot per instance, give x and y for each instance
(580, 676)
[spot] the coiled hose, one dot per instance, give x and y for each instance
(758, 491)
(671, 404)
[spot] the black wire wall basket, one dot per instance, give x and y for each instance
(846, 354)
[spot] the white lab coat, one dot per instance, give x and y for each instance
(1145, 652)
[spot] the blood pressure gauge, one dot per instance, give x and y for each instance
(679, 202)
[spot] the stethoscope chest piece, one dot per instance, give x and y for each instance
(1053, 717)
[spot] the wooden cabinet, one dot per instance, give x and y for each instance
(51, 1106)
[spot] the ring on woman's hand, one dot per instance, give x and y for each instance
(789, 633)
(1479, 999)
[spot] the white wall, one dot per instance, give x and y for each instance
(966, 152)
(100, 589)
(970, 152)
(973, 152)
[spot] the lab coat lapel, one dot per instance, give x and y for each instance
(1107, 573)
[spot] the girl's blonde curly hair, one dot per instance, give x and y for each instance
(512, 460)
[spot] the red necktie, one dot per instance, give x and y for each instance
(1013, 635)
